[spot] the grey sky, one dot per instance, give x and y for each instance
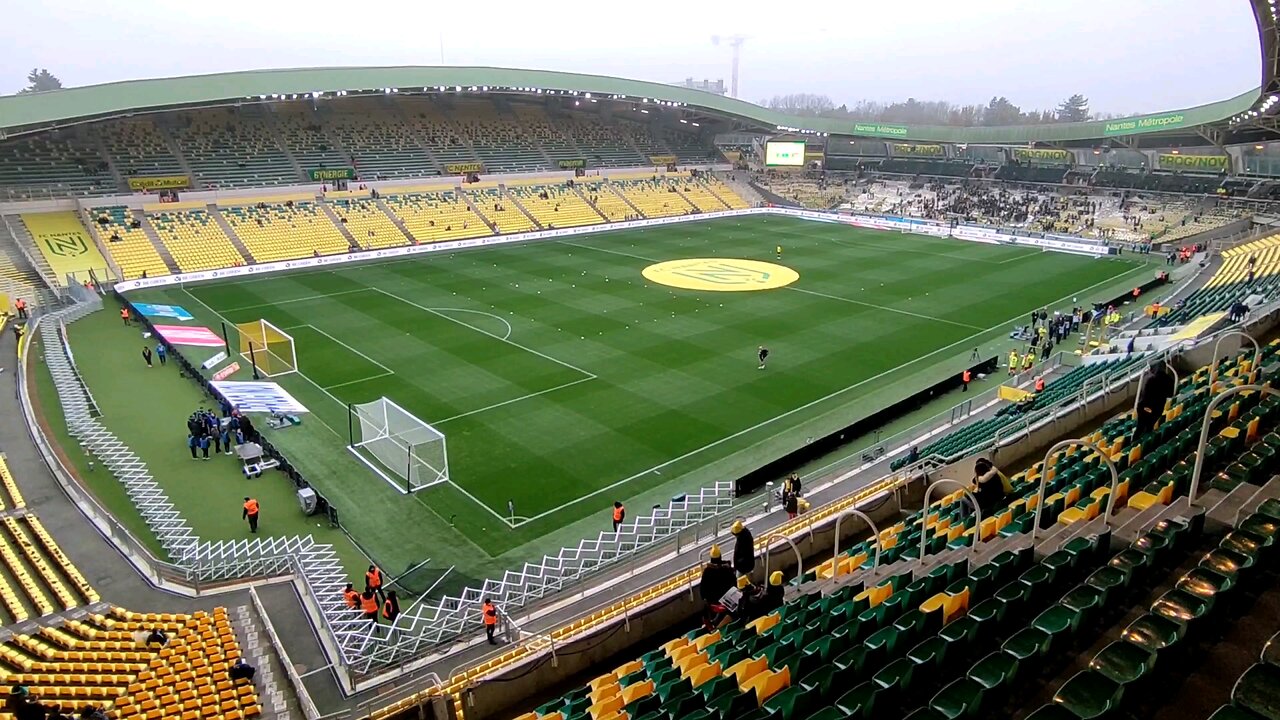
(1126, 55)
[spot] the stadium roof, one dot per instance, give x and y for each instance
(42, 111)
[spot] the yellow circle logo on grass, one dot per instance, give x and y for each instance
(721, 274)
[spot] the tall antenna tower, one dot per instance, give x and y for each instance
(735, 42)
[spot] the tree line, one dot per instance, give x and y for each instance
(1000, 111)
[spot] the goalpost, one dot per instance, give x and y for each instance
(394, 443)
(268, 348)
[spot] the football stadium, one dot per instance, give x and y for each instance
(488, 393)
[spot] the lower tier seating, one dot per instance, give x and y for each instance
(285, 231)
(195, 240)
(129, 246)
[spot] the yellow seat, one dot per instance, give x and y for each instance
(744, 669)
(636, 691)
(768, 683)
(704, 673)
(762, 624)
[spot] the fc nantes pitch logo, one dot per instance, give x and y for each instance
(721, 274)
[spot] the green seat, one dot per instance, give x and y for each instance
(1205, 583)
(1231, 712)
(1258, 691)
(930, 656)
(794, 702)
(1245, 542)
(1123, 662)
(828, 713)
(1154, 632)
(925, 713)
(899, 675)
(1027, 644)
(1085, 600)
(861, 701)
(1227, 562)
(994, 670)
(1109, 580)
(820, 680)
(1089, 695)
(1052, 711)
(1261, 525)
(961, 698)
(1181, 606)
(1131, 562)
(1271, 651)
(1059, 622)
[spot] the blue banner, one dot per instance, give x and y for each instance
(177, 312)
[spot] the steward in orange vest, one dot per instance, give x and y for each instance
(351, 596)
(489, 613)
(619, 514)
(369, 605)
(391, 607)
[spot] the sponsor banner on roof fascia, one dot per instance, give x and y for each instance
(255, 396)
(177, 312)
(222, 355)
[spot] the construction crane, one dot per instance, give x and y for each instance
(735, 42)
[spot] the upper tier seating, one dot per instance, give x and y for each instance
(57, 164)
(1032, 173)
(562, 207)
(654, 198)
(508, 219)
(436, 216)
(502, 143)
(130, 247)
(382, 145)
(229, 149)
(554, 138)
(1229, 284)
(371, 227)
(138, 147)
(304, 137)
(604, 145)
(446, 141)
(195, 240)
(279, 232)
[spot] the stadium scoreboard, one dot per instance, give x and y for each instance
(789, 153)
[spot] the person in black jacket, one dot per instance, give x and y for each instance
(744, 548)
(1156, 391)
(717, 579)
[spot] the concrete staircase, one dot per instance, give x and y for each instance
(150, 231)
(506, 195)
(269, 117)
(261, 654)
(611, 188)
(236, 242)
(176, 149)
(111, 163)
(395, 220)
(342, 227)
(17, 240)
(475, 208)
(577, 189)
(18, 277)
(397, 109)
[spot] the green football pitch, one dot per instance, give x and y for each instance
(564, 379)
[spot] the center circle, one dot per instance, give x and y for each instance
(721, 274)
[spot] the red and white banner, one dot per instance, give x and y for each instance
(227, 371)
(180, 335)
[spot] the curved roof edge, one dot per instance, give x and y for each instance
(38, 111)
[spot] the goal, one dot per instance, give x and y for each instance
(403, 450)
(267, 348)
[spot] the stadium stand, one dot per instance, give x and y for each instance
(233, 149)
(370, 226)
(654, 198)
(557, 144)
(555, 205)
(1229, 284)
(725, 193)
(57, 164)
(962, 637)
(195, 240)
(138, 147)
(284, 231)
(1031, 173)
(698, 194)
(306, 139)
(447, 143)
(382, 144)
(436, 216)
(129, 246)
(505, 216)
(607, 201)
(604, 144)
(502, 143)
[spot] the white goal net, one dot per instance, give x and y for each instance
(404, 450)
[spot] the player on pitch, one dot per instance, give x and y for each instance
(762, 354)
